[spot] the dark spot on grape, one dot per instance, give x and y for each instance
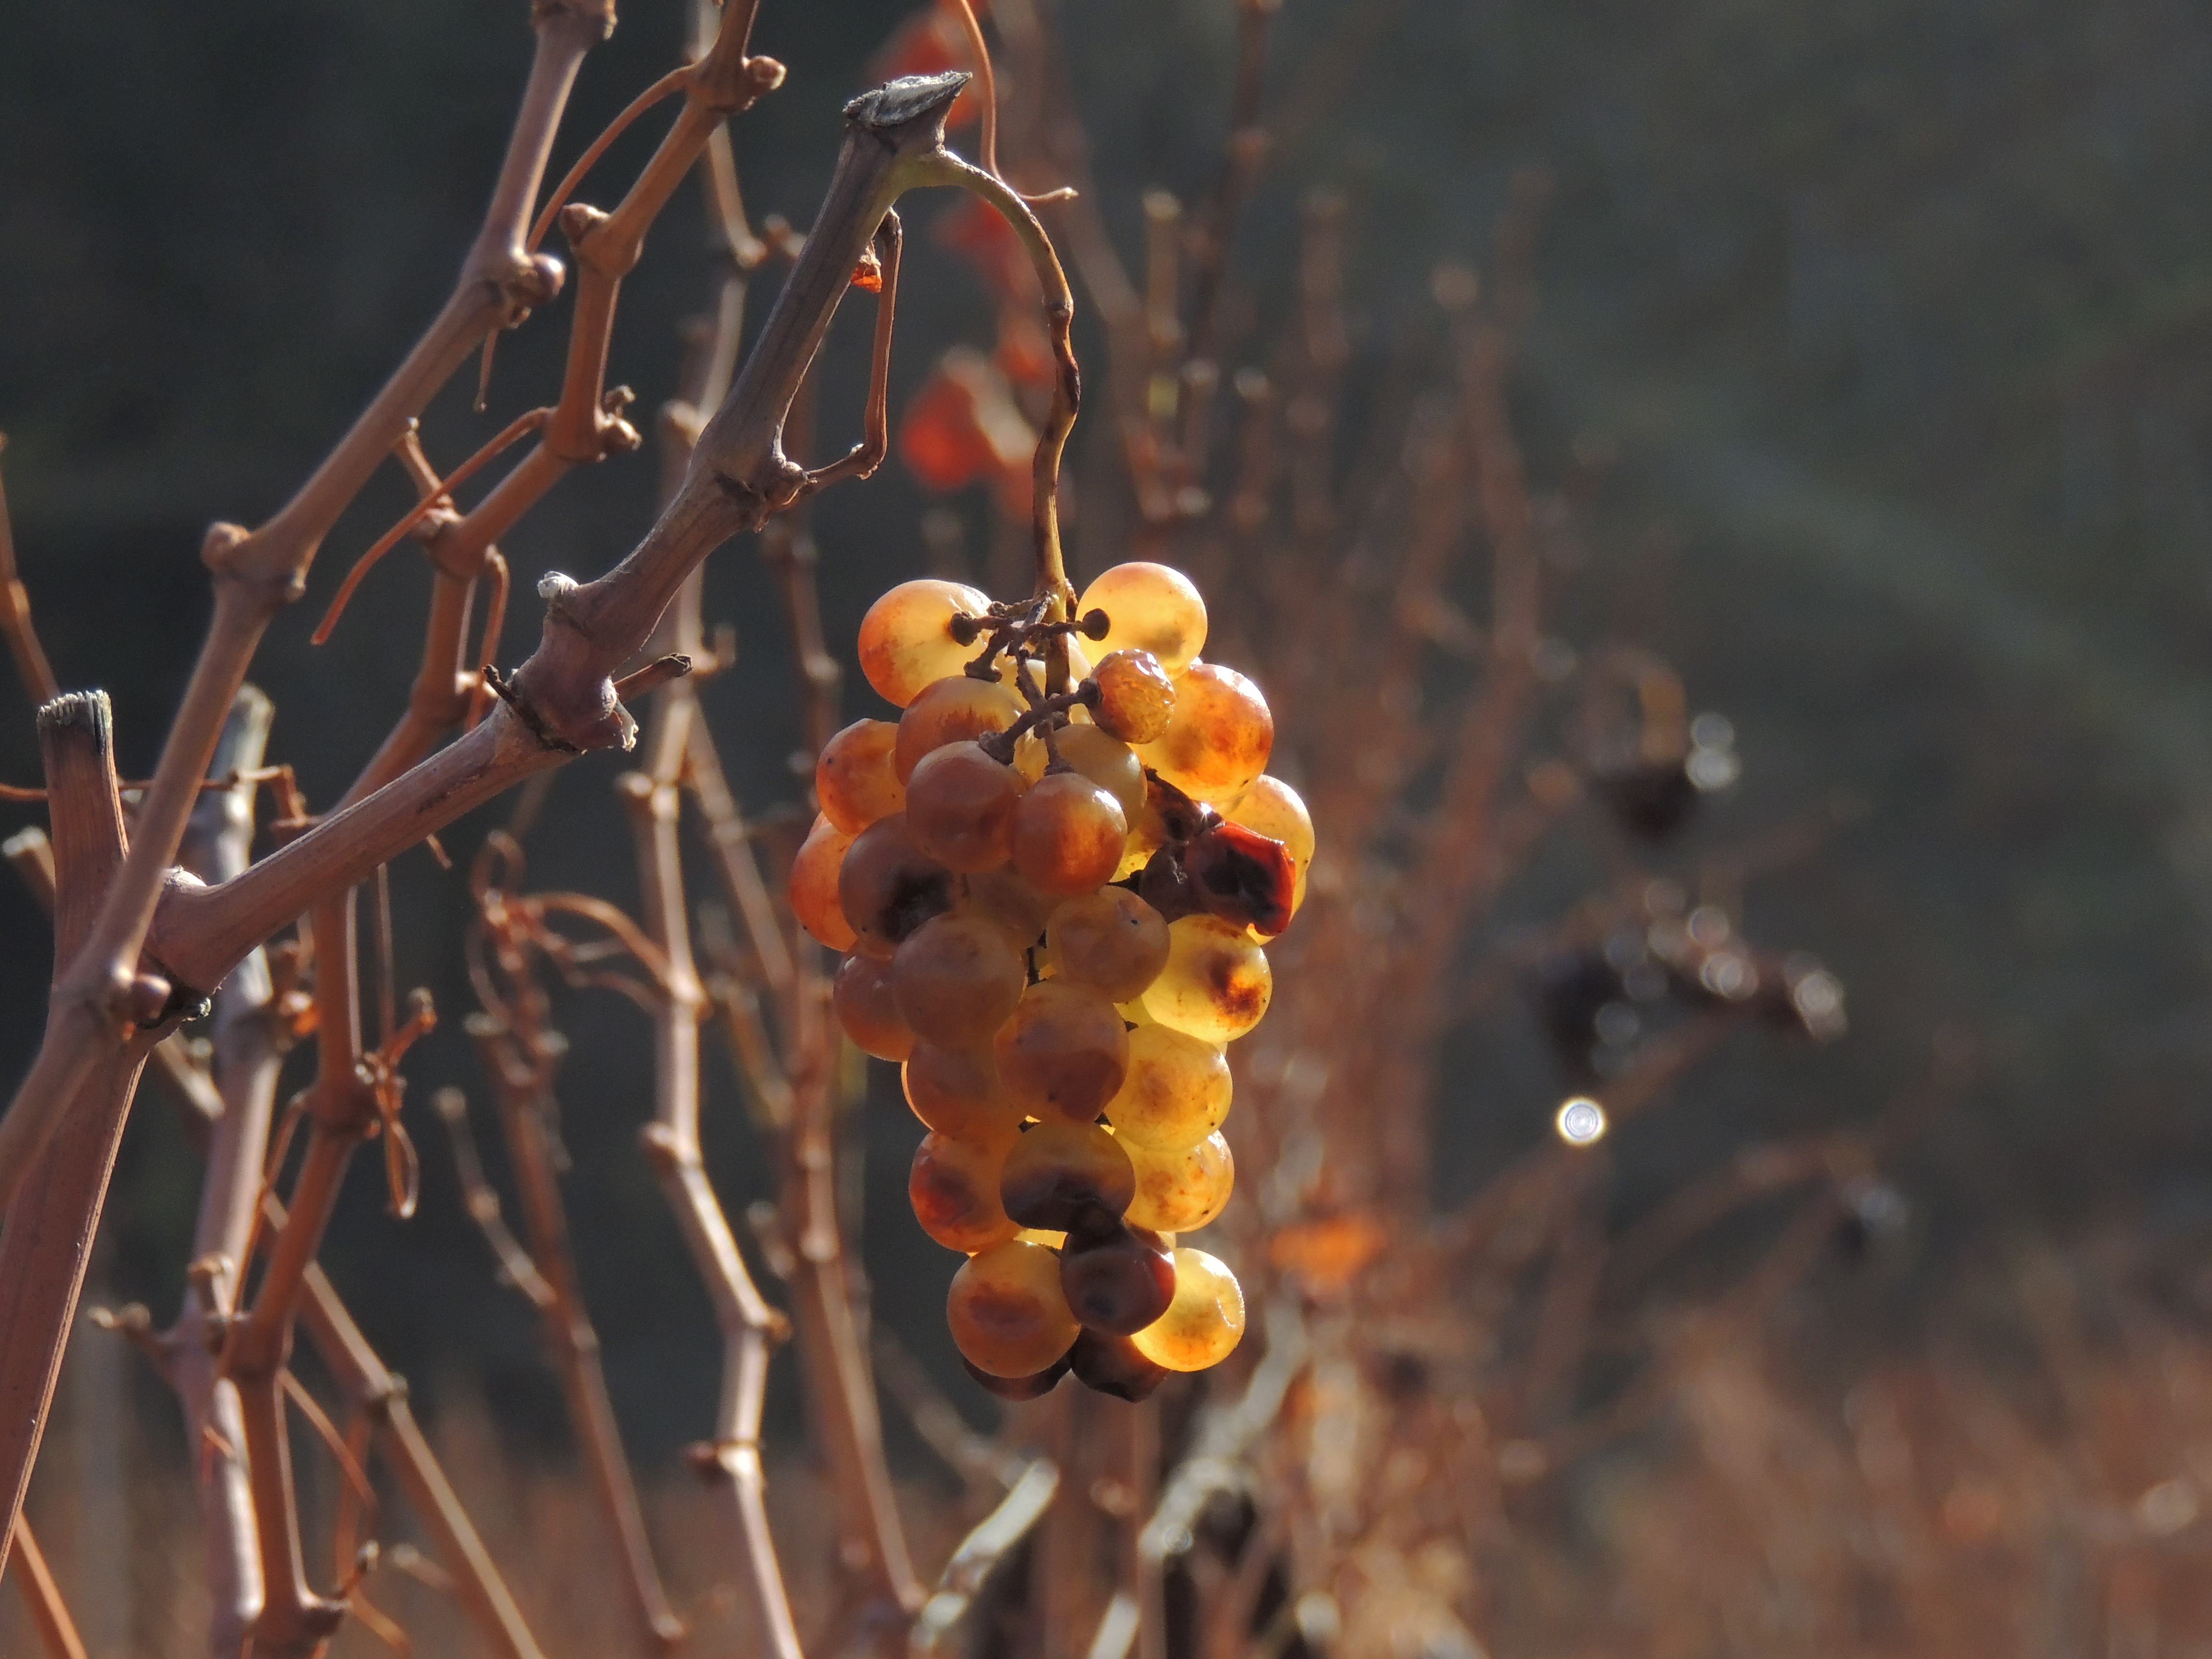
(1020, 1388)
(916, 896)
(1112, 1364)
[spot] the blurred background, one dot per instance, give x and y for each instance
(1891, 323)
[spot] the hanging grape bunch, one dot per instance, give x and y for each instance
(1054, 873)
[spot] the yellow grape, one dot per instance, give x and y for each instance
(947, 711)
(1181, 1192)
(956, 1091)
(906, 638)
(1012, 904)
(1176, 1093)
(1044, 1236)
(1057, 1175)
(954, 1188)
(960, 807)
(1203, 1323)
(1150, 608)
(1136, 698)
(1063, 1052)
(956, 978)
(1218, 741)
(861, 994)
(1215, 984)
(1111, 940)
(816, 878)
(1068, 833)
(1006, 1311)
(1107, 762)
(854, 778)
(887, 887)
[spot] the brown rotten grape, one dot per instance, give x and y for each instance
(1242, 876)
(956, 978)
(1217, 982)
(1176, 1094)
(1273, 808)
(817, 878)
(1110, 941)
(1063, 1052)
(887, 887)
(961, 807)
(1203, 1323)
(1117, 1278)
(1068, 833)
(1149, 607)
(854, 779)
(1181, 1192)
(1032, 1387)
(1057, 1175)
(951, 710)
(1219, 739)
(953, 1186)
(861, 994)
(1115, 1365)
(1136, 698)
(1006, 1313)
(907, 640)
(956, 1091)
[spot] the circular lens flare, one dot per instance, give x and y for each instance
(1581, 1121)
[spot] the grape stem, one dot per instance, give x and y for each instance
(1000, 745)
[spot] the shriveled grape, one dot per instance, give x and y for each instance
(1220, 736)
(861, 994)
(1006, 1313)
(1136, 698)
(1058, 1174)
(816, 880)
(956, 978)
(1063, 1052)
(1111, 940)
(1116, 1279)
(1115, 1365)
(954, 1187)
(1215, 984)
(961, 807)
(949, 711)
(1181, 1192)
(854, 779)
(1107, 762)
(1203, 1323)
(888, 887)
(1149, 607)
(1068, 833)
(956, 1091)
(1176, 1094)
(907, 640)
(1273, 808)
(1242, 876)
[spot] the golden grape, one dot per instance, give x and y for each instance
(817, 878)
(954, 1187)
(1203, 1324)
(1111, 940)
(1107, 762)
(1176, 1094)
(1063, 1052)
(1057, 1175)
(960, 808)
(1068, 833)
(854, 778)
(1007, 1312)
(956, 1091)
(1215, 984)
(956, 978)
(1181, 1192)
(1012, 904)
(1273, 808)
(1150, 608)
(947, 711)
(906, 639)
(1136, 698)
(1219, 740)
(861, 994)
(887, 887)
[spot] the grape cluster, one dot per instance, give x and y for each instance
(1054, 873)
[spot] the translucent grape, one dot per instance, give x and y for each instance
(817, 880)
(1116, 1280)
(956, 978)
(1181, 1192)
(1111, 940)
(1176, 1093)
(1007, 1312)
(1057, 1175)
(1032, 1387)
(1115, 1365)
(1219, 739)
(960, 807)
(1215, 984)
(906, 638)
(956, 1091)
(1107, 762)
(1068, 833)
(1136, 698)
(1150, 608)
(888, 887)
(861, 994)
(1063, 1052)
(1203, 1324)
(948, 711)
(1012, 904)
(954, 1187)
(854, 778)
(1045, 1236)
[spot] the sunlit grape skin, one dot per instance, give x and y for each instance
(1107, 762)
(861, 994)
(854, 778)
(953, 1185)
(956, 1091)
(1136, 698)
(816, 878)
(1068, 833)
(956, 979)
(1110, 941)
(887, 887)
(1176, 1093)
(1219, 739)
(1058, 1174)
(961, 807)
(1063, 1052)
(950, 711)
(1181, 1192)
(1274, 809)
(1215, 984)
(1149, 607)
(1203, 1323)
(906, 639)
(1116, 1279)
(1006, 1311)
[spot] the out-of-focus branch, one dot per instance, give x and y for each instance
(515, 1267)
(42, 1598)
(31, 664)
(993, 1538)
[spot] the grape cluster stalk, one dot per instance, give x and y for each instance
(1054, 874)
